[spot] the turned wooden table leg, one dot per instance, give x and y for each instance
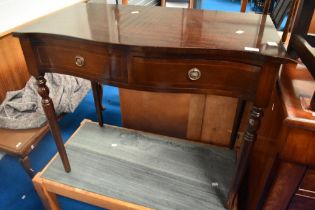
(27, 166)
(98, 103)
(52, 120)
(248, 142)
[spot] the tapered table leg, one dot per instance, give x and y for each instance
(52, 120)
(98, 103)
(25, 161)
(248, 142)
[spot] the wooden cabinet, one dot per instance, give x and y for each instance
(287, 175)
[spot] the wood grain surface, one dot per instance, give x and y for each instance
(13, 70)
(147, 26)
(133, 39)
(286, 181)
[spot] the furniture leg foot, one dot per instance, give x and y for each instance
(27, 166)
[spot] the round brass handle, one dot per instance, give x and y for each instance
(194, 74)
(79, 61)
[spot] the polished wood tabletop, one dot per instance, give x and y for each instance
(159, 49)
(163, 27)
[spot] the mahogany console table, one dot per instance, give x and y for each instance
(158, 49)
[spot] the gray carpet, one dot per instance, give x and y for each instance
(146, 169)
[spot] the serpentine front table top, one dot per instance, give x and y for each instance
(163, 27)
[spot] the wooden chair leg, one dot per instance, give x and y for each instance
(248, 142)
(237, 121)
(27, 166)
(48, 199)
(290, 20)
(163, 3)
(98, 103)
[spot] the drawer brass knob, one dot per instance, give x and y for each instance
(194, 74)
(79, 61)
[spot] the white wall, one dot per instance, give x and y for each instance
(14, 13)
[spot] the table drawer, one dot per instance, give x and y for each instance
(73, 61)
(194, 73)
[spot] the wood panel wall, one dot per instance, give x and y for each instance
(203, 118)
(13, 70)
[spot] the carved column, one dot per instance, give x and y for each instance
(52, 120)
(248, 141)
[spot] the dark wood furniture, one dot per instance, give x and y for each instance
(126, 46)
(291, 179)
(273, 177)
